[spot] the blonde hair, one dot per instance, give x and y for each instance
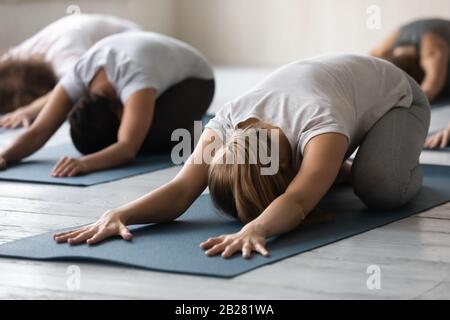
(239, 189)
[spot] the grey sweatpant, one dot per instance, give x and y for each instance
(386, 172)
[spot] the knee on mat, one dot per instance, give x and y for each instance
(387, 193)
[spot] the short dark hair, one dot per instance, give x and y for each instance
(411, 65)
(22, 81)
(93, 123)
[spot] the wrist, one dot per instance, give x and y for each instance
(85, 164)
(256, 227)
(118, 214)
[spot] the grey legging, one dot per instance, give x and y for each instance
(386, 172)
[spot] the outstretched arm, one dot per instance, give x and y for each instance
(384, 49)
(434, 61)
(162, 205)
(322, 161)
(24, 116)
(48, 121)
(134, 126)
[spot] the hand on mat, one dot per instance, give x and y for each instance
(247, 240)
(440, 139)
(16, 119)
(69, 167)
(109, 225)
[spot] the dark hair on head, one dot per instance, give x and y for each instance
(23, 81)
(93, 123)
(409, 64)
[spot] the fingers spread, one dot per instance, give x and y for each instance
(261, 249)
(211, 242)
(4, 122)
(428, 142)
(64, 236)
(100, 235)
(63, 167)
(67, 169)
(125, 233)
(232, 249)
(11, 121)
(82, 237)
(435, 140)
(216, 249)
(247, 250)
(59, 165)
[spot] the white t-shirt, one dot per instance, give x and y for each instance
(135, 61)
(64, 41)
(339, 93)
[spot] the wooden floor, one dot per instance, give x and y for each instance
(413, 254)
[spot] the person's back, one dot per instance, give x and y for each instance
(412, 33)
(422, 49)
(64, 41)
(139, 59)
(48, 55)
(340, 93)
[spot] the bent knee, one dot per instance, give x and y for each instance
(388, 192)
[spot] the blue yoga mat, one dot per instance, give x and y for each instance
(38, 167)
(174, 247)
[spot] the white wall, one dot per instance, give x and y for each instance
(242, 32)
(21, 18)
(271, 32)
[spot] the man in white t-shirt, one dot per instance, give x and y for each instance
(31, 69)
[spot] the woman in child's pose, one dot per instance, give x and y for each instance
(321, 109)
(126, 95)
(421, 48)
(29, 71)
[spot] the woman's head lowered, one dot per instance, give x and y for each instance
(407, 59)
(94, 123)
(239, 183)
(22, 81)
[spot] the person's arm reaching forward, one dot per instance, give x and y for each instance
(48, 121)
(384, 49)
(134, 126)
(24, 116)
(162, 205)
